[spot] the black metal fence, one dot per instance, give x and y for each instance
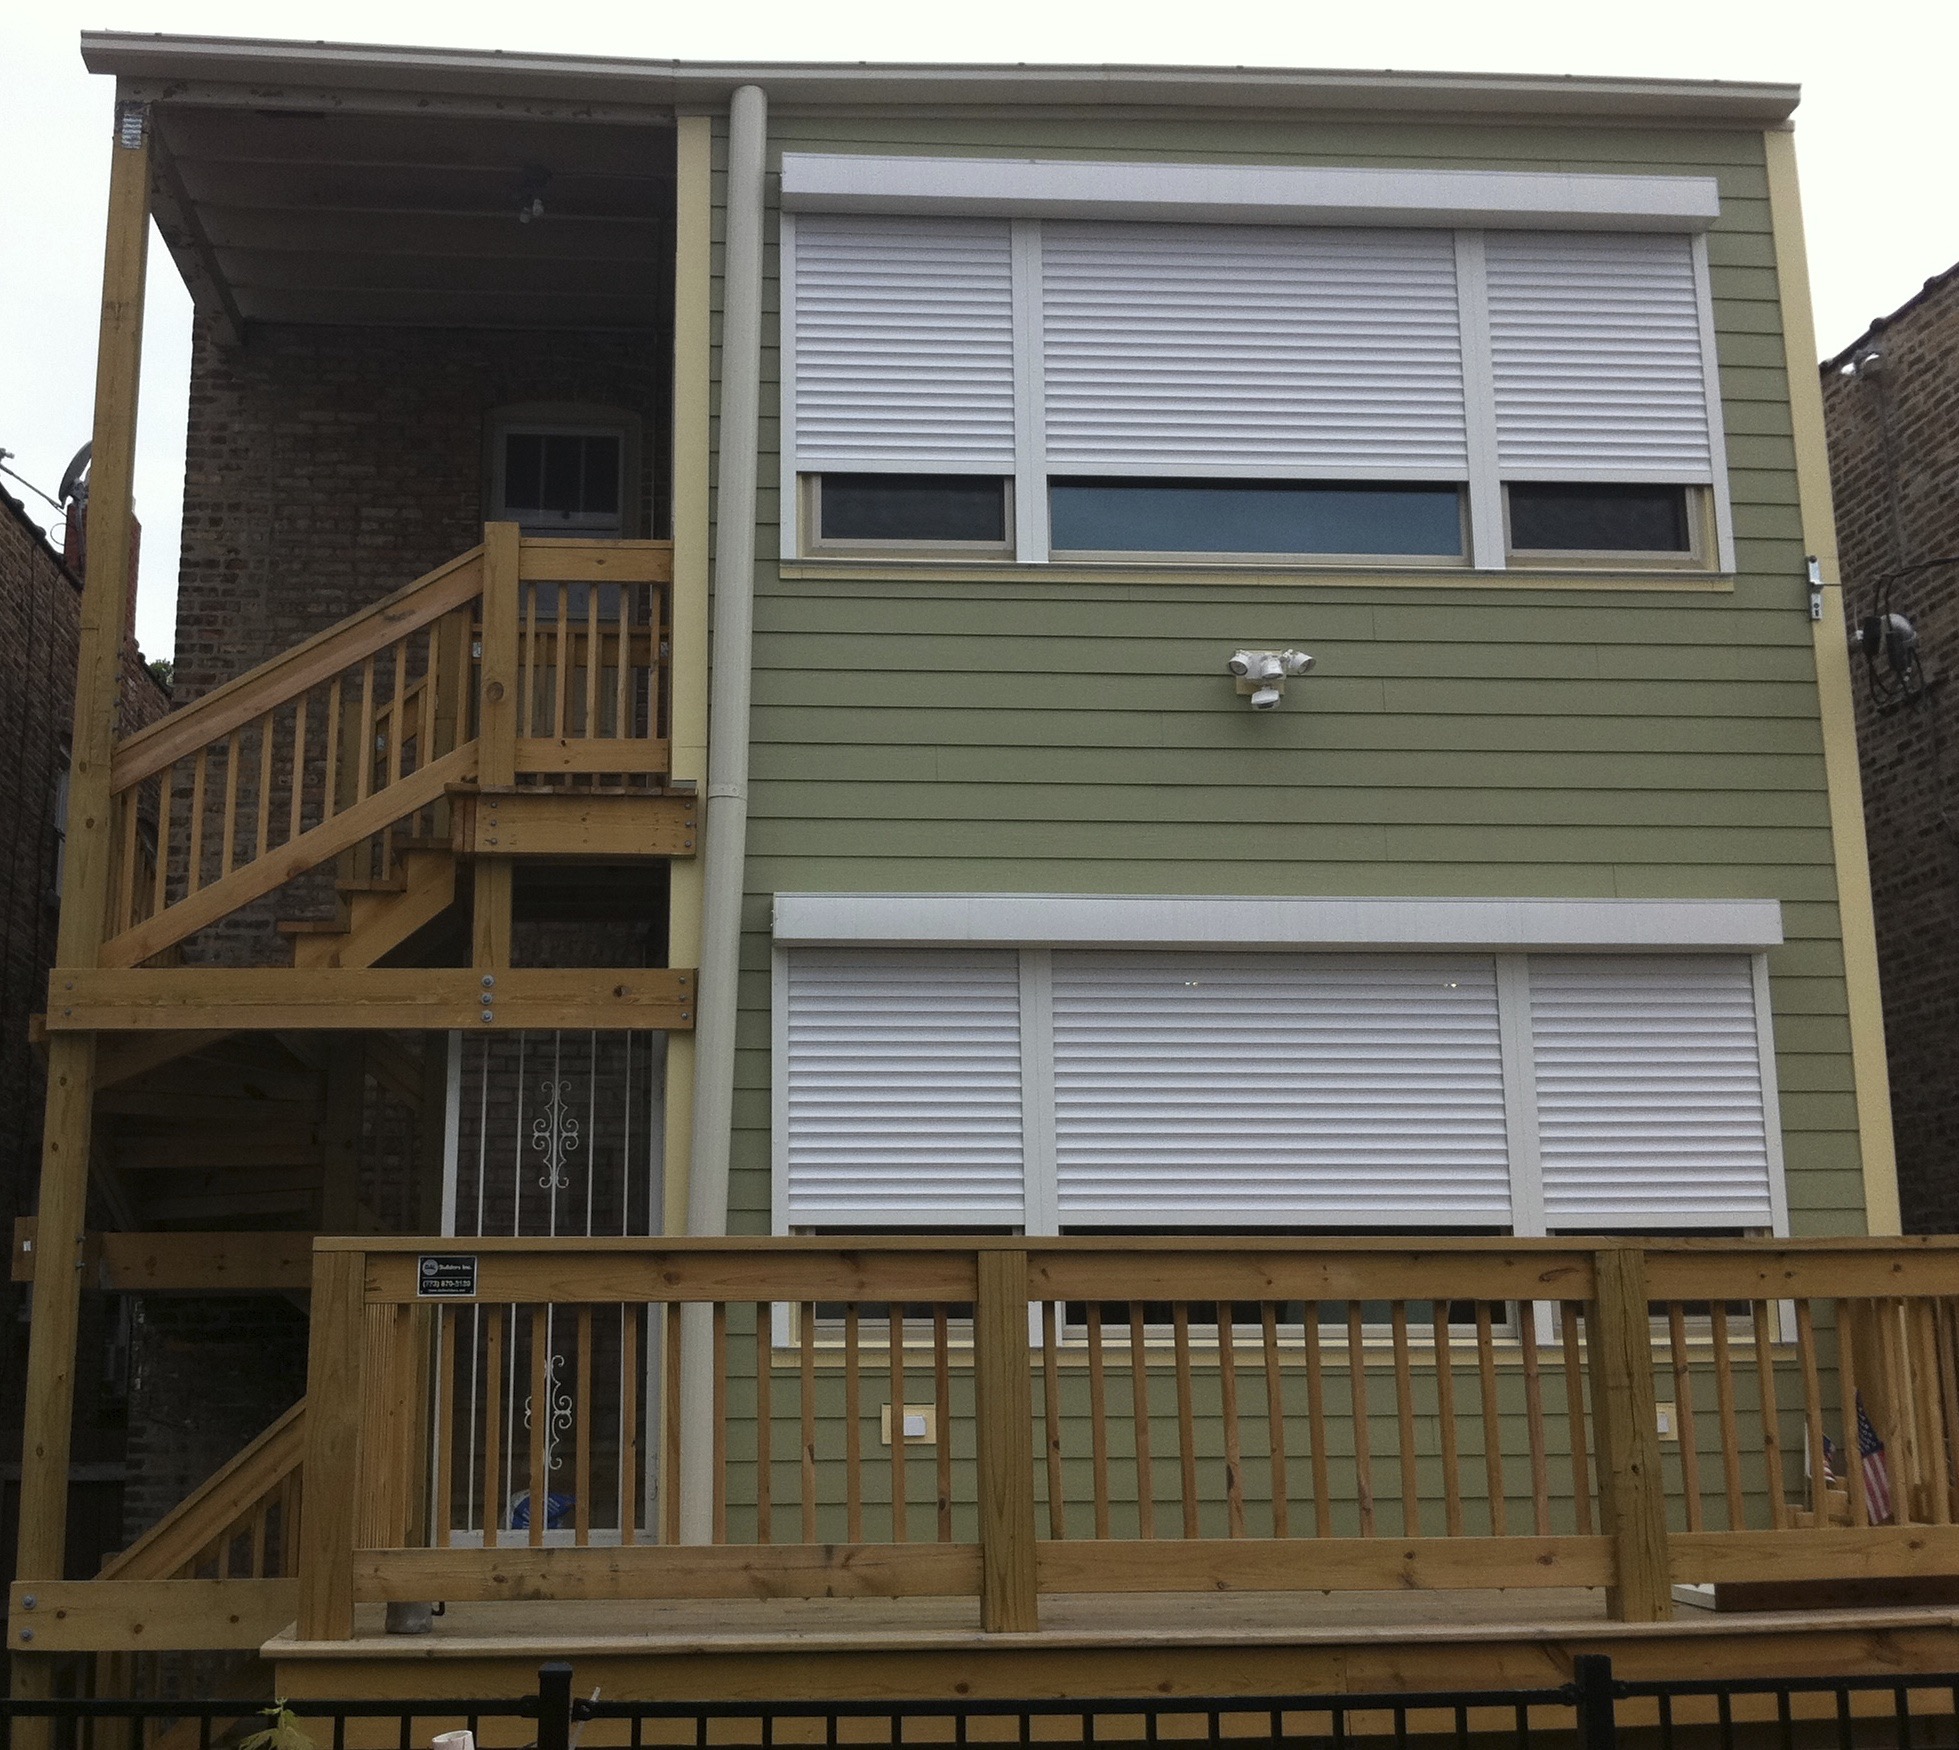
(1595, 1711)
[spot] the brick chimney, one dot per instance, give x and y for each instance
(74, 554)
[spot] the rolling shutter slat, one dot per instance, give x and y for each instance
(1278, 1089)
(903, 1088)
(1649, 1092)
(1596, 347)
(1243, 349)
(903, 337)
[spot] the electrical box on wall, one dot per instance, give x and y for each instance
(921, 1424)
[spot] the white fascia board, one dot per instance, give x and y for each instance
(1195, 921)
(1245, 194)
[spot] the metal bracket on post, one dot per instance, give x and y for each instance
(1815, 587)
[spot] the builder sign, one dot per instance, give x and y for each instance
(446, 1276)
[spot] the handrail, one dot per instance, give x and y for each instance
(292, 672)
(1147, 1414)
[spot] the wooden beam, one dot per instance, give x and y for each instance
(177, 219)
(190, 1263)
(1834, 1553)
(490, 913)
(1323, 1564)
(109, 1616)
(1632, 1499)
(368, 998)
(594, 754)
(1003, 1387)
(915, 1570)
(551, 559)
(570, 823)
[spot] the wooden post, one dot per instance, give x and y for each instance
(50, 1392)
(1631, 1496)
(496, 745)
(334, 1400)
(1003, 1418)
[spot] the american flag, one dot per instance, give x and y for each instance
(1877, 1473)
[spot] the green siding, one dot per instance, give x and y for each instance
(1034, 735)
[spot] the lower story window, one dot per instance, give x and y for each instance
(1277, 517)
(1564, 517)
(909, 510)
(1077, 1090)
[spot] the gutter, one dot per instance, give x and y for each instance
(724, 853)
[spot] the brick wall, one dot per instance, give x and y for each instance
(1897, 504)
(40, 622)
(326, 467)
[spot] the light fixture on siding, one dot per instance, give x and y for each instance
(1262, 674)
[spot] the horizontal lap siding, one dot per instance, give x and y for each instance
(1037, 735)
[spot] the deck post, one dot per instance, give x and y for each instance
(335, 1401)
(1631, 1499)
(496, 731)
(1004, 1416)
(67, 1127)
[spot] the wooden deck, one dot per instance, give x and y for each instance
(1093, 1645)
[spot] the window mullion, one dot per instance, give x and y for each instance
(1520, 1095)
(1486, 540)
(1030, 412)
(1040, 1193)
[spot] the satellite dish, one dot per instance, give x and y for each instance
(74, 481)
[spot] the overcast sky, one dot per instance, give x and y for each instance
(1875, 135)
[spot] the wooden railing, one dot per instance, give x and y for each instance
(611, 1419)
(533, 661)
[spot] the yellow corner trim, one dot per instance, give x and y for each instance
(1856, 918)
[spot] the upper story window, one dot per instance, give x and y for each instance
(561, 476)
(1096, 388)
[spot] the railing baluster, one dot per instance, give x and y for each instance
(1946, 1358)
(330, 777)
(1359, 1409)
(853, 1424)
(1275, 1421)
(1819, 1489)
(942, 1397)
(1224, 1318)
(364, 769)
(444, 1424)
(1445, 1415)
(1847, 1385)
(806, 1322)
(719, 1481)
(558, 701)
(592, 667)
(1724, 1400)
(764, 1424)
(1186, 1419)
(1404, 1415)
(493, 1500)
(1570, 1312)
(629, 1317)
(228, 848)
(622, 725)
(1928, 1395)
(670, 1479)
(895, 1355)
(262, 835)
(194, 863)
(1492, 1420)
(1771, 1418)
(582, 1449)
(296, 802)
(1098, 1411)
(541, 1413)
(1540, 1458)
(1683, 1411)
(165, 830)
(1139, 1416)
(1051, 1415)
(398, 712)
(1316, 1422)
(124, 913)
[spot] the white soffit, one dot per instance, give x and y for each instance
(1195, 921)
(1245, 194)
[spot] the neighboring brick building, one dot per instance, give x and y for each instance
(1891, 402)
(40, 616)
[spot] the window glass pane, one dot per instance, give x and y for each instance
(913, 507)
(564, 459)
(1570, 518)
(523, 471)
(1255, 516)
(600, 493)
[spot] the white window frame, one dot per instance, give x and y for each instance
(567, 421)
(1508, 931)
(1468, 203)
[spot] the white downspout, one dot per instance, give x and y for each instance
(724, 853)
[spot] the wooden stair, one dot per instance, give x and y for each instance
(377, 913)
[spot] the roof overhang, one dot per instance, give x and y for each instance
(361, 75)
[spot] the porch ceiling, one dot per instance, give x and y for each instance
(310, 216)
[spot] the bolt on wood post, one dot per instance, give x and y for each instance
(335, 1398)
(1004, 1417)
(67, 1126)
(1632, 1500)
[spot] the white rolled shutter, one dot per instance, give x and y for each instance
(1217, 349)
(903, 1088)
(902, 345)
(1649, 1092)
(1595, 342)
(1278, 1089)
